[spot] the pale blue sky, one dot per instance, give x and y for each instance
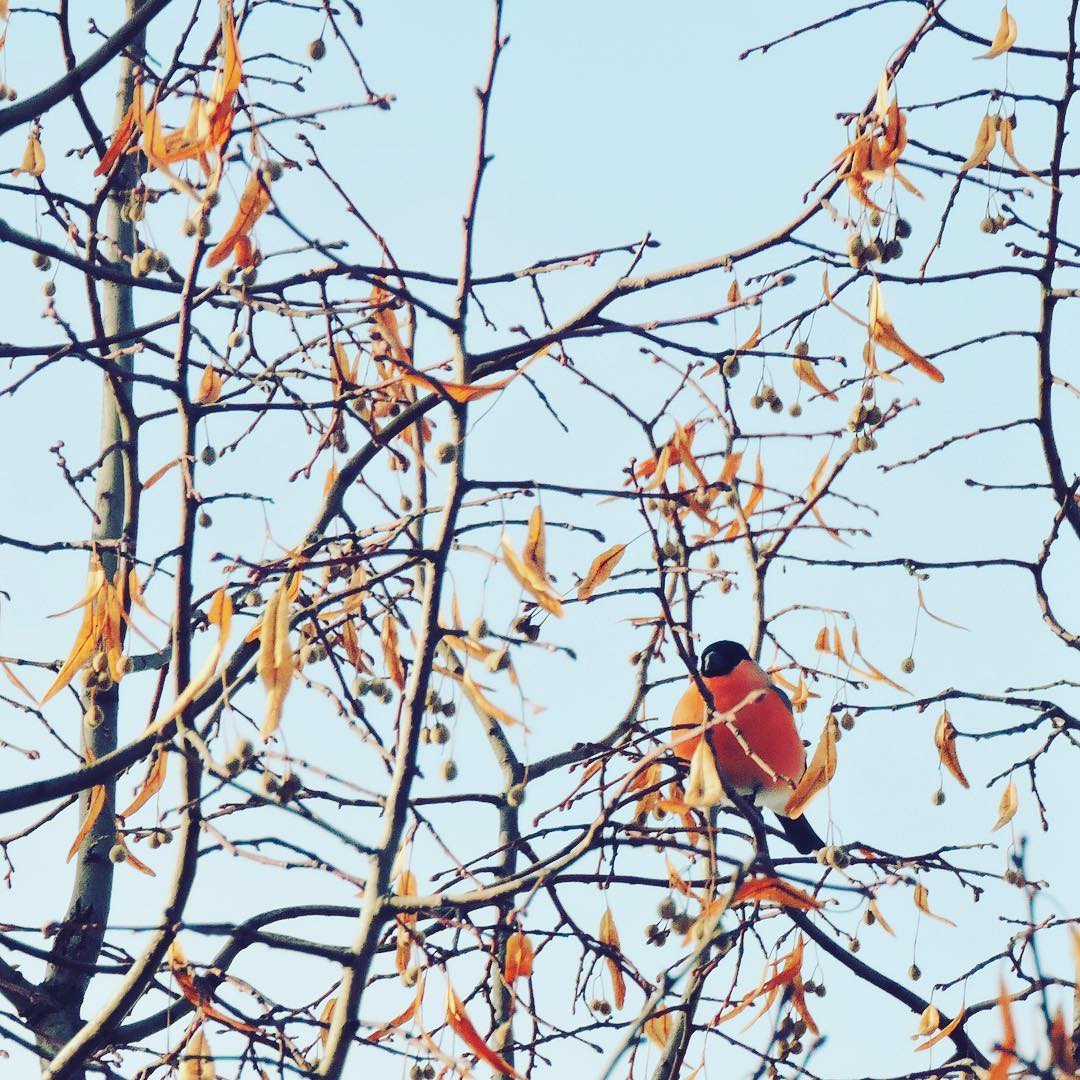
(612, 120)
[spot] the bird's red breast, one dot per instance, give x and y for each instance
(766, 728)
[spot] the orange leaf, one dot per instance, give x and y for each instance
(609, 936)
(929, 1022)
(391, 655)
(1005, 126)
(155, 777)
(884, 334)
(254, 201)
(756, 495)
(806, 372)
(821, 642)
(403, 1017)
(459, 1021)
(1007, 807)
(530, 580)
(1007, 1044)
(944, 1033)
(818, 773)
(774, 890)
(121, 137)
(85, 642)
(936, 618)
(872, 906)
(131, 858)
(275, 662)
(733, 294)
(945, 741)
(921, 897)
(871, 671)
(519, 957)
(601, 569)
(752, 340)
(730, 468)
(658, 1029)
(209, 386)
(196, 1062)
(93, 812)
(485, 708)
(1004, 38)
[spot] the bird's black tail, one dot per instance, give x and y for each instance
(800, 834)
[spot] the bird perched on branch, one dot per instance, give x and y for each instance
(759, 752)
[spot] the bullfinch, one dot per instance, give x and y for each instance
(766, 727)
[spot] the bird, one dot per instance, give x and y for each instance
(766, 726)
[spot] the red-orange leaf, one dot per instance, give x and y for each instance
(519, 957)
(93, 812)
(945, 741)
(774, 890)
(254, 202)
(122, 136)
(459, 1021)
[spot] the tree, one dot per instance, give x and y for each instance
(363, 778)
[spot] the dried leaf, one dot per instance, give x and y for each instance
(871, 671)
(884, 334)
(326, 1014)
(936, 618)
(391, 653)
(1007, 807)
(752, 341)
(209, 386)
(601, 569)
(530, 580)
(519, 957)
(534, 553)
(119, 142)
(944, 1033)
(821, 642)
(459, 1021)
(93, 812)
(985, 140)
(609, 936)
(807, 373)
(33, 159)
(730, 468)
(254, 201)
(733, 293)
(774, 890)
(1007, 1043)
(1005, 126)
(155, 777)
(1004, 38)
(131, 859)
(929, 1022)
(158, 474)
(196, 1062)
(703, 787)
(658, 1029)
(945, 741)
(751, 505)
(484, 706)
(275, 661)
(921, 896)
(818, 773)
(1062, 1052)
(872, 906)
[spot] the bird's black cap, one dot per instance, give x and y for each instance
(722, 657)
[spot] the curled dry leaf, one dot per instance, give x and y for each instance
(774, 890)
(985, 141)
(196, 1062)
(807, 373)
(658, 1029)
(1004, 37)
(537, 584)
(1007, 1043)
(388, 638)
(155, 777)
(93, 811)
(945, 741)
(254, 202)
(929, 1022)
(209, 386)
(1007, 807)
(601, 569)
(609, 936)
(944, 1033)
(275, 662)
(519, 957)
(459, 1021)
(485, 708)
(883, 333)
(1005, 126)
(818, 773)
(33, 159)
(407, 1014)
(703, 787)
(921, 896)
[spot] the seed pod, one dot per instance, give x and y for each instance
(49, 288)
(440, 734)
(756, 401)
(907, 665)
(903, 228)
(731, 367)
(666, 908)
(854, 245)
(449, 770)
(39, 260)
(235, 339)
(445, 453)
(208, 455)
(914, 973)
(986, 225)
(776, 405)
(875, 219)
(271, 171)
(938, 798)
(802, 349)
(515, 795)
(316, 49)
(117, 853)
(204, 520)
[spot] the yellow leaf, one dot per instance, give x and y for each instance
(945, 741)
(658, 1029)
(752, 341)
(33, 159)
(1005, 126)
(985, 140)
(1004, 38)
(530, 580)
(196, 1062)
(391, 653)
(534, 553)
(601, 569)
(818, 773)
(872, 906)
(703, 787)
(484, 706)
(609, 936)
(275, 661)
(921, 897)
(871, 671)
(1007, 807)
(929, 1022)
(944, 1033)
